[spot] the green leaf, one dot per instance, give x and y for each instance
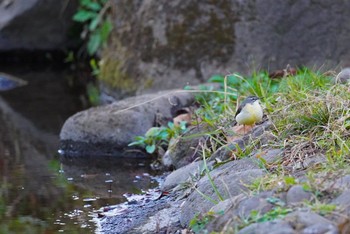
(139, 138)
(163, 135)
(289, 180)
(150, 149)
(183, 125)
(83, 16)
(152, 132)
(106, 29)
(95, 6)
(93, 94)
(94, 43)
(94, 23)
(171, 125)
(216, 79)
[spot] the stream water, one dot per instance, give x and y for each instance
(39, 193)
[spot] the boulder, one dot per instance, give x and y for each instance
(36, 24)
(107, 130)
(230, 180)
(160, 43)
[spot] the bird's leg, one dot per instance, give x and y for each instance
(243, 129)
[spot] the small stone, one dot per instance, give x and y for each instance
(344, 76)
(297, 194)
(258, 203)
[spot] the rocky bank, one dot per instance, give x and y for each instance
(284, 176)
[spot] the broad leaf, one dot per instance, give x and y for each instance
(150, 149)
(83, 16)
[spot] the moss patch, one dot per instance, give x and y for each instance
(112, 74)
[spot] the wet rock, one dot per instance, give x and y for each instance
(230, 181)
(36, 24)
(134, 216)
(297, 194)
(107, 130)
(164, 221)
(181, 175)
(272, 227)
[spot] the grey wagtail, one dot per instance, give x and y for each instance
(249, 111)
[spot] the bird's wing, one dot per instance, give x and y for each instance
(241, 106)
(238, 110)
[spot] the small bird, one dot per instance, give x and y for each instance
(249, 111)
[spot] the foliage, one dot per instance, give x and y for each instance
(158, 137)
(97, 24)
(93, 94)
(198, 223)
(276, 213)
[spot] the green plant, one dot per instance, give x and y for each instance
(199, 222)
(97, 24)
(158, 137)
(276, 213)
(321, 208)
(93, 94)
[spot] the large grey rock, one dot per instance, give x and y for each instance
(181, 175)
(170, 43)
(230, 181)
(109, 129)
(35, 24)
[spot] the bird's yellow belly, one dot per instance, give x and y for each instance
(250, 115)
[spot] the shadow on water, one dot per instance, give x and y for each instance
(39, 194)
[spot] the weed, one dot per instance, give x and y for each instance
(276, 213)
(321, 208)
(199, 222)
(97, 25)
(158, 137)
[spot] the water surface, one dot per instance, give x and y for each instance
(39, 194)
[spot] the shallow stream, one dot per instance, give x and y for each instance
(39, 193)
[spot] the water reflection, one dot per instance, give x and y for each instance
(38, 193)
